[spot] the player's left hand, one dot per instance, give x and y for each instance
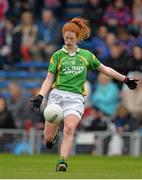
(131, 83)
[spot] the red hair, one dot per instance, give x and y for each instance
(79, 26)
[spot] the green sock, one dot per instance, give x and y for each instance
(61, 159)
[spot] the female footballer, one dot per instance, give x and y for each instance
(65, 79)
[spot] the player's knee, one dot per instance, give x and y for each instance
(48, 136)
(68, 131)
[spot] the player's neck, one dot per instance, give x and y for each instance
(71, 49)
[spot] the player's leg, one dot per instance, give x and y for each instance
(73, 107)
(70, 124)
(50, 133)
(51, 129)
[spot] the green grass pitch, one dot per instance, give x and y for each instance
(80, 167)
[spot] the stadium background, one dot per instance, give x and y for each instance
(30, 32)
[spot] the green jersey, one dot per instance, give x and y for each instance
(71, 69)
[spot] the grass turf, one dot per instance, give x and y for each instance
(80, 167)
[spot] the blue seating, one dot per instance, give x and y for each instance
(23, 84)
(22, 74)
(2, 73)
(74, 9)
(32, 64)
(30, 85)
(3, 84)
(69, 15)
(5, 94)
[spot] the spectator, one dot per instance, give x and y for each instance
(48, 36)
(111, 39)
(106, 95)
(92, 11)
(6, 45)
(117, 14)
(123, 120)
(93, 120)
(135, 61)
(126, 39)
(133, 100)
(4, 5)
(6, 118)
(24, 37)
(18, 7)
(98, 44)
(117, 59)
(137, 13)
(55, 6)
(18, 104)
(6, 122)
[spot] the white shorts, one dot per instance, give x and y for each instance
(72, 103)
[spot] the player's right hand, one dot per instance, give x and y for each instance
(36, 102)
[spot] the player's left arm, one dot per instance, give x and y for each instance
(131, 83)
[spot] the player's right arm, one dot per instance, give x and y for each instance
(47, 84)
(52, 70)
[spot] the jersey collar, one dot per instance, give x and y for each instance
(71, 54)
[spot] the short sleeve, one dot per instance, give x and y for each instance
(53, 65)
(94, 63)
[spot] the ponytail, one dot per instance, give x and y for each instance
(79, 26)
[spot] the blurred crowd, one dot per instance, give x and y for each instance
(30, 30)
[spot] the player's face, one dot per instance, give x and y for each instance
(70, 39)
